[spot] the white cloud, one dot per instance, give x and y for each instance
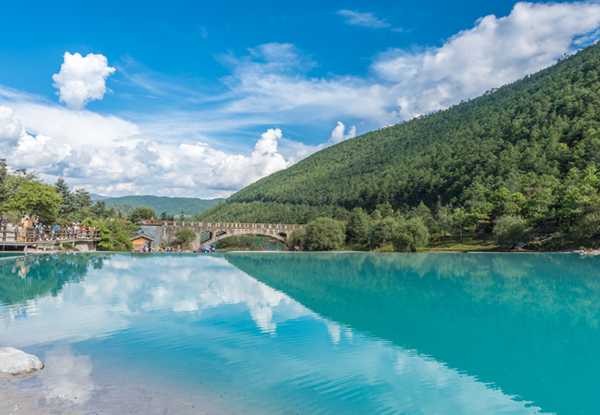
(237, 171)
(268, 142)
(207, 151)
(138, 163)
(363, 19)
(337, 135)
(75, 128)
(66, 375)
(273, 80)
(495, 52)
(82, 80)
(22, 150)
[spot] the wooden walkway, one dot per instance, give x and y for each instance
(14, 237)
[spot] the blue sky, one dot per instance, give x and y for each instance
(203, 98)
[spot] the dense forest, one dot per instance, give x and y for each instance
(527, 153)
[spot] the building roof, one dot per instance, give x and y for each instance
(142, 237)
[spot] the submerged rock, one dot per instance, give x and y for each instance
(15, 362)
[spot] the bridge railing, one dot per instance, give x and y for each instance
(232, 225)
(153, 222)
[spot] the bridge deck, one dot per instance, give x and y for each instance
(227, 225)
(218, 230)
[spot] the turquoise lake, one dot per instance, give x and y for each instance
(302, 333)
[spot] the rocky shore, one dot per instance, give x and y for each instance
(29, 388)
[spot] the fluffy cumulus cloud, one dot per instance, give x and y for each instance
(337, 135)
(82, 80)
(22, 150)
(236, 171)
(495, 52)
(134, 163)
(142, 164)
(363, 19)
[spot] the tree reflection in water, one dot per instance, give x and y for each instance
(525, 323)
(30, 277)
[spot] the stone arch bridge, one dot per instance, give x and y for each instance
(215, 230)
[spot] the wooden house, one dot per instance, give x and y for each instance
(140, 242)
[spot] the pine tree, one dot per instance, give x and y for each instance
(68, 204)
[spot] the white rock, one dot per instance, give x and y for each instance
(16, 362)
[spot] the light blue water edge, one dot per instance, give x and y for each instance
(325, 333)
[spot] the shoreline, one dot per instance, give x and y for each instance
(31, 398)
(27, 401)
(20, 254)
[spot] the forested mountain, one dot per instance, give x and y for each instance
(529, 148)
(170, 205)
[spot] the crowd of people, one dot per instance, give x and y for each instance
(72, 230)
(209, 249)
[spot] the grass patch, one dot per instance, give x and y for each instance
(467, 244)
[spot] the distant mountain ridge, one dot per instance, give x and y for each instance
(170, 205)
(95, 197)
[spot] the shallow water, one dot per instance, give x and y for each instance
(274, 333)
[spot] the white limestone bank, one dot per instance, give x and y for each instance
(15, 362)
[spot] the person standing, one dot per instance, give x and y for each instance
(54, 229)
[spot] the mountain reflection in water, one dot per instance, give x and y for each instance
(525, 323)
(317, 333)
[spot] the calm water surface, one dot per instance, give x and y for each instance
(310, 333)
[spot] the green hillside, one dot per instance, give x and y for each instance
(171, 205)
(523, 148)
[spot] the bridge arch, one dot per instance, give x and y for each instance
(220, 230)
(224, 235)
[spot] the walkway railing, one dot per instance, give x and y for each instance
(35, 235)
(31, 235)
(232, 225)
(11, 234)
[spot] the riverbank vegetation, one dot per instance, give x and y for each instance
(249, 243)
(23, 194)
(519, 164)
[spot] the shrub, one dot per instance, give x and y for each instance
(115, 234)
(185, 236)
(142, 212)
(325, 234)
(297, 240)
(230, 242)
(587, 226)
(408, 235)
(509, 230)
(357, 229)
(381, 231)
